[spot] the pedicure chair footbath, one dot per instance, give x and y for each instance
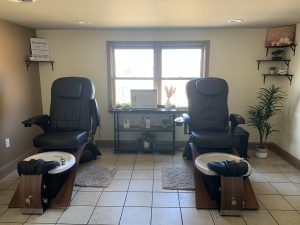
(221, 175)
(47, 178)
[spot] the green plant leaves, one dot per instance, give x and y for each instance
(270, 103)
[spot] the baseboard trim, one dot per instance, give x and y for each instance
(12, 165)
(281, 152)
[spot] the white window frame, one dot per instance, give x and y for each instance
(157, 46)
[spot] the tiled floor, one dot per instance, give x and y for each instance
(135, 196)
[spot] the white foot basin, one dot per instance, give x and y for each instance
(65, 159)
(202, 160)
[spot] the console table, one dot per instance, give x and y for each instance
(157, 128)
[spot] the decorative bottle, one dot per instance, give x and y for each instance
(148, 122)
(142, 123)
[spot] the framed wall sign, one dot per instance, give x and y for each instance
(39, 49)
(281, 36)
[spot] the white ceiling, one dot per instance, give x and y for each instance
(63, 14)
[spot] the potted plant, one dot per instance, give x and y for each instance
(276, 55)
(273, 69)
(270, 103)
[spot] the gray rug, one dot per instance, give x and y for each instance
(178, 178)
(93, 174)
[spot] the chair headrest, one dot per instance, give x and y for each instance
(69, 90)
(211, 86)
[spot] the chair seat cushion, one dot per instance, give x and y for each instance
(214, 140)
(67, 140)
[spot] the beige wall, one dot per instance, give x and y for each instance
(233, 55)
(20, 95)
(289, 136)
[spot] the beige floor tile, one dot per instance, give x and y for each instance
(35, 223)
(139, 199)
(144, 166)
(163, 158)
(163, 216)
(275, 177)
(112, 199)
(118, 185)
(76, 188)
(158, 174)
(14, 185)
(125, 165)
(86, 198)
(13, 215)
(263, 189)
(162, 164)
(276, 160)
(49, 216)
(6, 182)
(265, 167)
(106, 215)
(287, 188)
(126, 158)
(294, 201)
(144, 158)
(142, 174)
(157, 187)
(141, 185)
(76, 215)
(13, 174)
(257, 177)
(136, 216)
(3, 208)
(123, 174)
(193, 216)
(286, 217)
(274, 202)
(165, 200)
(286, 168)
(226, 220)
(5, 196)
(293, 177)
(92, 189)
(187, 199)
(258, 217)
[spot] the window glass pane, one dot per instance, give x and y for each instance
(181, 62)
(179, 98)
(123, 88)
(134, 62)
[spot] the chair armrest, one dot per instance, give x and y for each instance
(95, 115)
(185, 120)
(42, 121)
(235, 120)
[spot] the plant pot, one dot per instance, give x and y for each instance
(261, 153)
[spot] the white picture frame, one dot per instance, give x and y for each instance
(39, 49)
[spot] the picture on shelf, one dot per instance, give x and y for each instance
(281, 36)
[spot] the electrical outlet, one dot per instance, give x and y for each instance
(7, 143)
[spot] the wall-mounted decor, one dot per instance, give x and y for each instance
(39, 49)
(281, 36)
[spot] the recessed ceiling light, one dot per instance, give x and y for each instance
(82, 22)
(235, 21)
(23, 1)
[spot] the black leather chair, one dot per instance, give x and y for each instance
(74, 116)
(208, 122)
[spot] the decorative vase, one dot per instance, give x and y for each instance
(261, 153)
(168, 104)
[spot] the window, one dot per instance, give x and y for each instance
(155, 65)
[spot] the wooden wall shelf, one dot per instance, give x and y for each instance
(28, 62)
(288, 76)
(293, 47)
